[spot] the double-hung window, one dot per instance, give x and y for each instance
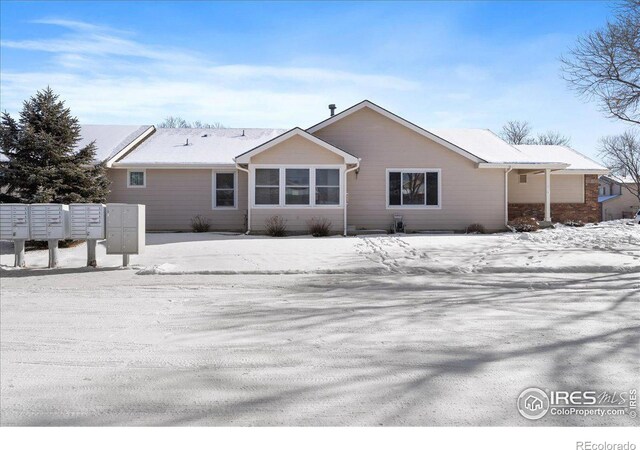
(413, 188)
(327, 186)
(224, 190)
(267, 187)
(297, 187)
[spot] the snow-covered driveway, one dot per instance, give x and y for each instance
(391, 330)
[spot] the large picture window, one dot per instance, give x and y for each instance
(225, 190)
(413, 188)
(327, 187)
(267, 187)
(297, 187)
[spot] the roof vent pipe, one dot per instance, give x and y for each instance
(187, 142)
(243, 132)
(332, 108)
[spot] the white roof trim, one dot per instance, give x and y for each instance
(156, 165)
(246, 157)
(133, 144)
(397, 119)
(549, 165)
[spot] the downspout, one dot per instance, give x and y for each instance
(248, 197)
(506, 195)
(356, 167)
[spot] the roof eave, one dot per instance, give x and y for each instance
(516, 165)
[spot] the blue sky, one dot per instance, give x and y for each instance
(245, 64)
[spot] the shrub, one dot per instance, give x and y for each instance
(476, 228)
(525, 224)
(199, 224)
(574, 223)
(319, 226)
(276, 226)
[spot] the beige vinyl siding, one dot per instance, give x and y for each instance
(297, 150)
(469, 195)
(173, 196)
(297, 218)
(614, 208)
(565, 188)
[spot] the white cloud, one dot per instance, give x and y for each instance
(106, 76)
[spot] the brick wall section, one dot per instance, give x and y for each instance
(589, 211)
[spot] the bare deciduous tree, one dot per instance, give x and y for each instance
(174, 122)
(516, 132)
(622, 155)
(552, 138)
(605, 64)
(179, 122)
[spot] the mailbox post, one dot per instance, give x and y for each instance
(49, 222)
(125, 230)
(14, 226)
(87, 222)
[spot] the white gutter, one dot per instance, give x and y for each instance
(357, 166)
(539, 166)
(248, 198)
(506, 195)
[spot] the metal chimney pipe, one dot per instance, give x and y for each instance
(332, 108)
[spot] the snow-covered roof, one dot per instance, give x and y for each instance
(110, 139)
(206, 146)
(561, 153)
(620, 180)
(484, 144)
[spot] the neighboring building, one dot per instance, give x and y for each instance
(359, 169)
(617, 202)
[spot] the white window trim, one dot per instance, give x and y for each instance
(282, 186)
(144, 178)
(410, 170)
(214, 173)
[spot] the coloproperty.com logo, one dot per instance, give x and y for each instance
(535, 403)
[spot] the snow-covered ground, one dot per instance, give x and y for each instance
(392, 330)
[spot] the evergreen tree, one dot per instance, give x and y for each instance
(44, 165)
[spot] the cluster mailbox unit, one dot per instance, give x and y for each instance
(125, 230)
(51, 222)
(87, 222)
(14, 226)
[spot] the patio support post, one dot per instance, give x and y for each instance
(547, 195)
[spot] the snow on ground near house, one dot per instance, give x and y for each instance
(391, 330)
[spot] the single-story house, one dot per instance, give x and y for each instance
(617, 201)
(359, 169)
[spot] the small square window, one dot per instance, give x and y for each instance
(523, 179)
(136, 178)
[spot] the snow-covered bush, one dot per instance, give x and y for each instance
(525, 224)
(319, 226)
(275, 226)
(476, 228)
(199, 224)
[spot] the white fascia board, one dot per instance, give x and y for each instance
(397, 119)
(133, 144)
(582, 172)
(246, 157)
(552, 166)
(152, 165)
